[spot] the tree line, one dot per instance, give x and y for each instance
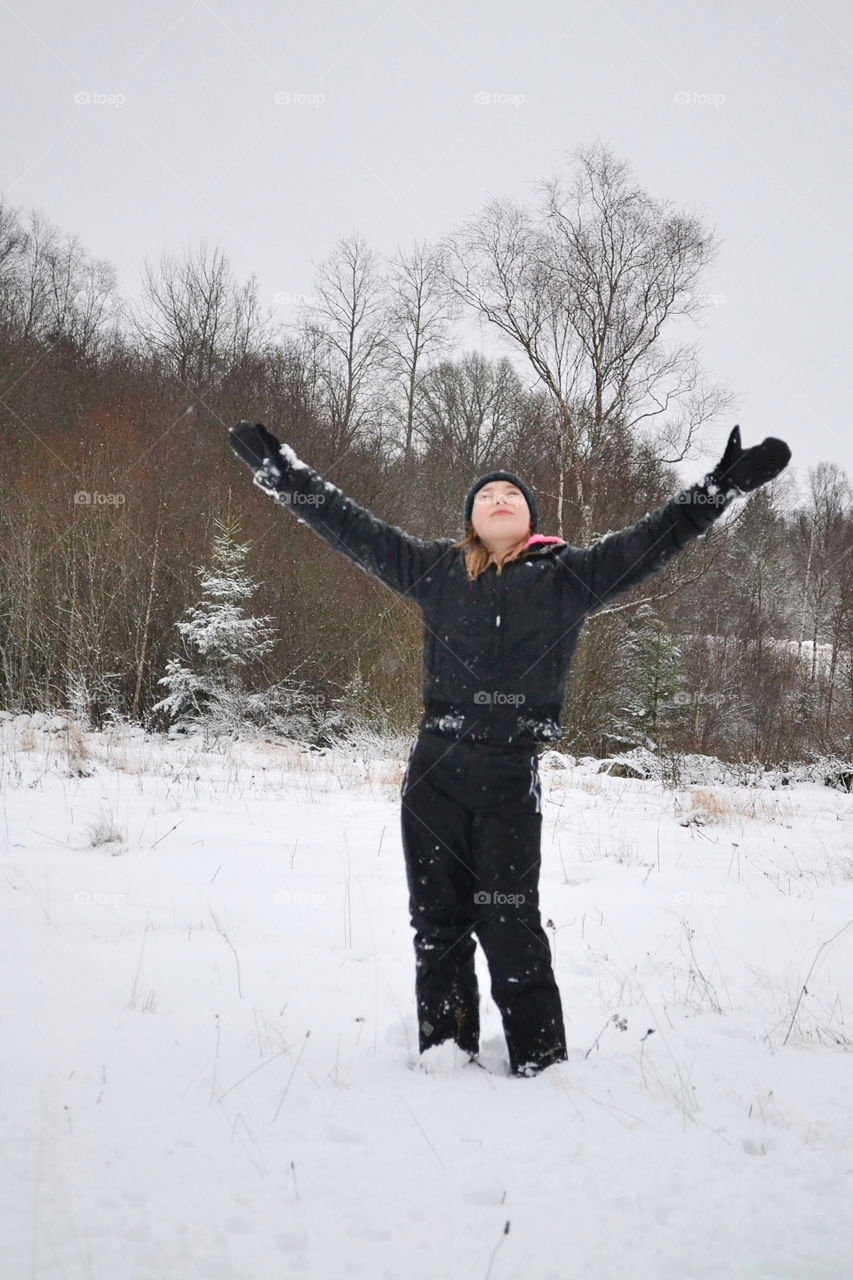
(117, 477)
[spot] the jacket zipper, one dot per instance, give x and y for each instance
(494, 643)
(499, 608)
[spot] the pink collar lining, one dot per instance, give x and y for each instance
(541, 537)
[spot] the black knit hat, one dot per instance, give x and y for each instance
(513, 479)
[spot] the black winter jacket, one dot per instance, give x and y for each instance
(497, 650)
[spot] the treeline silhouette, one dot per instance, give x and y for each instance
(114, 418)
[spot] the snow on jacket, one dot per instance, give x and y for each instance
(497, 650)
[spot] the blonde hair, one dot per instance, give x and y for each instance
(478, 557)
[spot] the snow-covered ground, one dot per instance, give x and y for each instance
(208, 1029)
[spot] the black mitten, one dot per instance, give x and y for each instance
(742, 470)
(259, 447)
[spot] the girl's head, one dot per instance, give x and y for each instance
(500, 516)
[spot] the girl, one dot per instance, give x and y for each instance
(502, 610)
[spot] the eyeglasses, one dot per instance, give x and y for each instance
(513, 498)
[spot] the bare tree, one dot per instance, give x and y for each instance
(81, 299)
(196, 317)
(51, 289)
(12, 244)
(469, 409)
(32, 285)
(823, 544)
(585, 285)
(347, 329)
(840, 633)
(419, 312)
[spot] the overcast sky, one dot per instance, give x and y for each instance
(740, 110)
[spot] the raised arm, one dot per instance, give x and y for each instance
(619, 561)
(404, 563)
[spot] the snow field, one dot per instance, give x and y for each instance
(209, 1031)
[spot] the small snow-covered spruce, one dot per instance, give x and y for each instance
(654, 691)
(221, 642)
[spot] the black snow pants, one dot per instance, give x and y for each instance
(471, 828)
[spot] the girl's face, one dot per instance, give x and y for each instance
(500, 514)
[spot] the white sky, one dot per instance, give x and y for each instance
(399, 149)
